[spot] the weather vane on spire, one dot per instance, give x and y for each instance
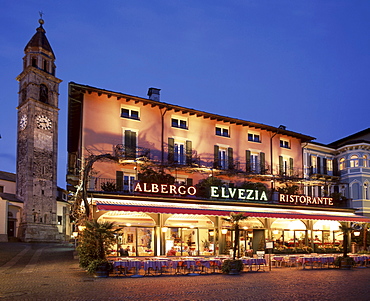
(41, 20)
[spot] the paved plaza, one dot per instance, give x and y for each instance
(49, 272)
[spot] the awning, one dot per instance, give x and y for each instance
(224, 210)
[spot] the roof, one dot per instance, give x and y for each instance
(39, 40)
(76, 92)
(10, 197)
(359, 137)
(7, 176)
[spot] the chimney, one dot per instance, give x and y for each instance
(153, 94)
(282, 127)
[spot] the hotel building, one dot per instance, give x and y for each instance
(169, 176)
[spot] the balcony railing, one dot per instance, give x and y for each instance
(131, 153)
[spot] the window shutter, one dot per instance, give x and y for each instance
(325, 166)
(216, 161)
(318, 165)
(262, 163)
(189, 152)
(119, 180)
(281, 165)
(230, 158)
(171, 150)
(189, 182)
(247, 160)
(335, 167)
(130, 144)
(291, 166)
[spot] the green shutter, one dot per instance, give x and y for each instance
(262, 163)
(171, 150)
(230, 158)
(130, 144)
(216, 161)
(281, 165)
(119, 180)
(291, 166)
(247, 160)
(189, 152)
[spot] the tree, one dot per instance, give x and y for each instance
(95, 241)
(204, 186)
(346, 230)
(235, 219)
(149, 175)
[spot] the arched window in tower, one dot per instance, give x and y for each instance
(43, 93)
(354, 161)
(365, 161)
(46, 66)
(342, 162)
(366, 191)
(34, 62)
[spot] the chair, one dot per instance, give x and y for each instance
(292, 261)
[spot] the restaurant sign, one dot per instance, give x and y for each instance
(238, 193)
(305, 200)
(165, 189)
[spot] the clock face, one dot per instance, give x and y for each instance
(23, 122)
(43, 122)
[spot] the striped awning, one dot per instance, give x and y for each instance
(225, 210)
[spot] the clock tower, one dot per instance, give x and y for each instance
(37, 141)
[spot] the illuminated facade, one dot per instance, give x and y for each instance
(340, 168)
(175, 173)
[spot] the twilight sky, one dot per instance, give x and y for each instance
(302, 64)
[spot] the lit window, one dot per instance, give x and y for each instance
(127, 112)
(181, 123)
(342, 163)
(364, 162)
(222, 131)
(329, 164)
(354, 161)
(284, 143)
(254, 137)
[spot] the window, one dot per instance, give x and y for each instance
(128, 183)
(131, 113)
(1, 188)
(179, 151)
(60, 219)
(342, 162)
(223, 157)
(284, 143)
(329, 165)
(354, 161)
(364, 162)
(254, 137)
(178, 122)
(222, 131)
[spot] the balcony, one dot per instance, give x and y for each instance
(131, 153)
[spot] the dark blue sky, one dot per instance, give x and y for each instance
(302, 64)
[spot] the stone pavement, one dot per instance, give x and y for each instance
(49, 272)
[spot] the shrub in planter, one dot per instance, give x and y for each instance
(230, 265)
(99, 268)
(344, 262)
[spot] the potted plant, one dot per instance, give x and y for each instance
(234, 266)
(94, 244)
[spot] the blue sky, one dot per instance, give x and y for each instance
(302, 64)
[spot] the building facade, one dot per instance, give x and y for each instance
(170, 176)
(340, 168)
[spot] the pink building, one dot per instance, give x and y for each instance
(169, 175)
